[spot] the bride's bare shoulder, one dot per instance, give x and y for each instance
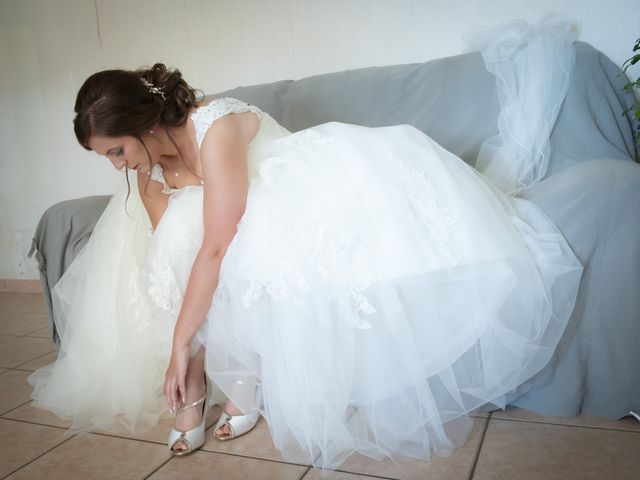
(234, 128)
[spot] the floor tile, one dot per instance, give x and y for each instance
(22, 350)
(44, 332)
(257, 444)
(14, 390)
(479, 414)
(22, 323)
(7, 338)
(202, 464)
(532, 451)
(7, 317)
(513, 413)
(22, 302)
(29, 413)
(21, 285)
(315, 474)
(88, 456)
(456, 466)
(39, 362)
(27, 442)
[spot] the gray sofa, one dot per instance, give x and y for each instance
(591, 192)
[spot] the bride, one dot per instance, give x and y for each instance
(363, 289)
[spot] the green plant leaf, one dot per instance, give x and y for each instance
(630, 61)
(630, 85)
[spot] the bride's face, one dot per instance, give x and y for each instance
(122, 152)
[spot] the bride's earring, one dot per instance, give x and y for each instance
(150, 132)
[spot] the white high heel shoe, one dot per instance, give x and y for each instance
(193, 438)
(239, 424)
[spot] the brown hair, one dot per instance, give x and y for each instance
(117, 103)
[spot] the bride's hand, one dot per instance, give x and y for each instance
(174, 380)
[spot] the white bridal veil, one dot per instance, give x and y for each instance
(533, 65)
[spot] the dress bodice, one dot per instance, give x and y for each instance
(204, 117)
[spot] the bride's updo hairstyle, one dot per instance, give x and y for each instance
(118, 103)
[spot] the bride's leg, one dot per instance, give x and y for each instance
(189, 418)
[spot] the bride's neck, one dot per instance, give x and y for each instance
(184, 142)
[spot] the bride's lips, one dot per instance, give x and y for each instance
(136, 167)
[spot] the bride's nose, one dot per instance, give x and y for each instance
(119, 164)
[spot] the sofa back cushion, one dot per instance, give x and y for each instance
(454, 101)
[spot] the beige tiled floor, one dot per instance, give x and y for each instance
(512, 444)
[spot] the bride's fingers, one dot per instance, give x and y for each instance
(167, 397)
(170, 394)
(182, 390)
(175, 400)
(165, 391)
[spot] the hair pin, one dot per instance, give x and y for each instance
(152, 89)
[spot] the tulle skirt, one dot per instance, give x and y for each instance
(114, 352)
(378, 288)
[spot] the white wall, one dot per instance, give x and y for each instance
(48, 48)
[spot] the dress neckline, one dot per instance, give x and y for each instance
(168, 188)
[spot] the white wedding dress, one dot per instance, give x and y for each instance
(378, 287)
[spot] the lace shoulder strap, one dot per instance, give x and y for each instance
(204, 116)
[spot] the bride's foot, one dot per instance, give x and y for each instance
(189, 418)
(233, 422)
(225, 429)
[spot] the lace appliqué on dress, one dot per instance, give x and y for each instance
(205, 116)
(136, 304)
(303, 261)
(158, 176)
(307, 261)
(426, 210)
(355, 303)
(163, 286)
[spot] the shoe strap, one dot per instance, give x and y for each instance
(194, 404)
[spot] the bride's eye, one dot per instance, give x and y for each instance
(120, 152)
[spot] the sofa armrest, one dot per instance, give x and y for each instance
(63, 230)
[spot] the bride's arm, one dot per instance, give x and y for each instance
(224, 163)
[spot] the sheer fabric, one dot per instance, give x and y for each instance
(113, 353)
(533, 65)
